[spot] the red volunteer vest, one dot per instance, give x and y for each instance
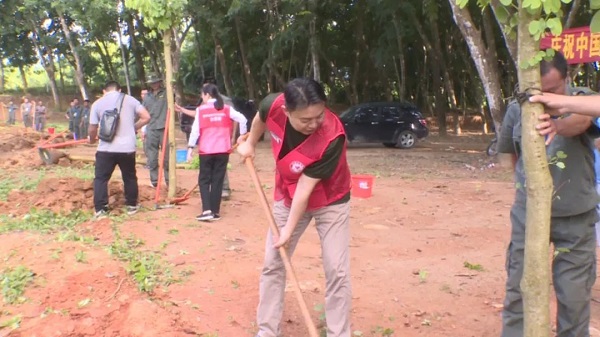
(290, 168)
(215, 129)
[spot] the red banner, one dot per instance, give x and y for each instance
(578, 45)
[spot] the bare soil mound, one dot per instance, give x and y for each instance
(68, 195)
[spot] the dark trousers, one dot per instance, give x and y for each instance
(573, 273)
(154, 140)
(210, 180)
(105, 166)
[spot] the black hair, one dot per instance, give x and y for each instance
(213, 91)
(300, 93)
(112, 85)
(557, 62)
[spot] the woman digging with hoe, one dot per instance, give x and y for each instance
(312, 180)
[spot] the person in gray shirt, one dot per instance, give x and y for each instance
(573, 210)
(120, 151)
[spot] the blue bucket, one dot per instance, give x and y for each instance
(181, 156)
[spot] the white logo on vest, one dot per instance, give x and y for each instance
(296, 167)
(277, 139)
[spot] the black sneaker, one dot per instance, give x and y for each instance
(215, 217)
(205, 216)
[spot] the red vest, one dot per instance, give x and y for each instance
(289, 168)
(215, 129)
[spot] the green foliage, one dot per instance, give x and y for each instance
(14, 281)
(22, 183)
(471, 266)
(159, 14)
(146, 268)
(12, 323)
(44, 221)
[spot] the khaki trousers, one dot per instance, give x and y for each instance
(333, 227)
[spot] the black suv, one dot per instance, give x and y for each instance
(392, 123)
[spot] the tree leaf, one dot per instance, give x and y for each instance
(534, 27)
(594, 4)
(502, 15)
(595, 23)
(561, 165)
(506, 2)
(561, 155)
(555, 26)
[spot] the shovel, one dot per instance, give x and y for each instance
(312, 330)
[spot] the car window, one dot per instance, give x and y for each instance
(366, 114)
(391, 114)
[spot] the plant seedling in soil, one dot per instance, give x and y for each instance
(470, 266)
(12, 323)
(81, 257)
(14, 281)
(423, 275)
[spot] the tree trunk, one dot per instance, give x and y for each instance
(511, 43)
(79, 75)
(572, 14)
(1, 75)
(123, 57)
(48, 65)
(223, 64)
(176, 57)
(137, 52)
(61, 75)
(314, 47)
(535, 284)
(437, 67)
(171, 107)
(488, 71)
(23, 79)
(359, 35)
(199, 53)
(401, 59)
(247, 71)
(104, 59)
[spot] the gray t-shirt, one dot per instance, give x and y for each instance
(574, 186)
(125, 140)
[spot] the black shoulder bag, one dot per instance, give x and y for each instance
(110, 122)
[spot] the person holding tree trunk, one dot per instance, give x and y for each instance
(570, 142)
(156, 102)
(312, 180)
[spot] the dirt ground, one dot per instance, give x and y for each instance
(435, 209)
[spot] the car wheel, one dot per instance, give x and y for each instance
(389, 144)
(406, 139)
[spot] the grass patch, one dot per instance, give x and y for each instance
(14, 281)
(21, 182)
(146, 268)
(84, 173)
(43, 221)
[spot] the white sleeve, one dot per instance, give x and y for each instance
(195, 134)
(238, 117)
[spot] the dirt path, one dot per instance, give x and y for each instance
(435, 209)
